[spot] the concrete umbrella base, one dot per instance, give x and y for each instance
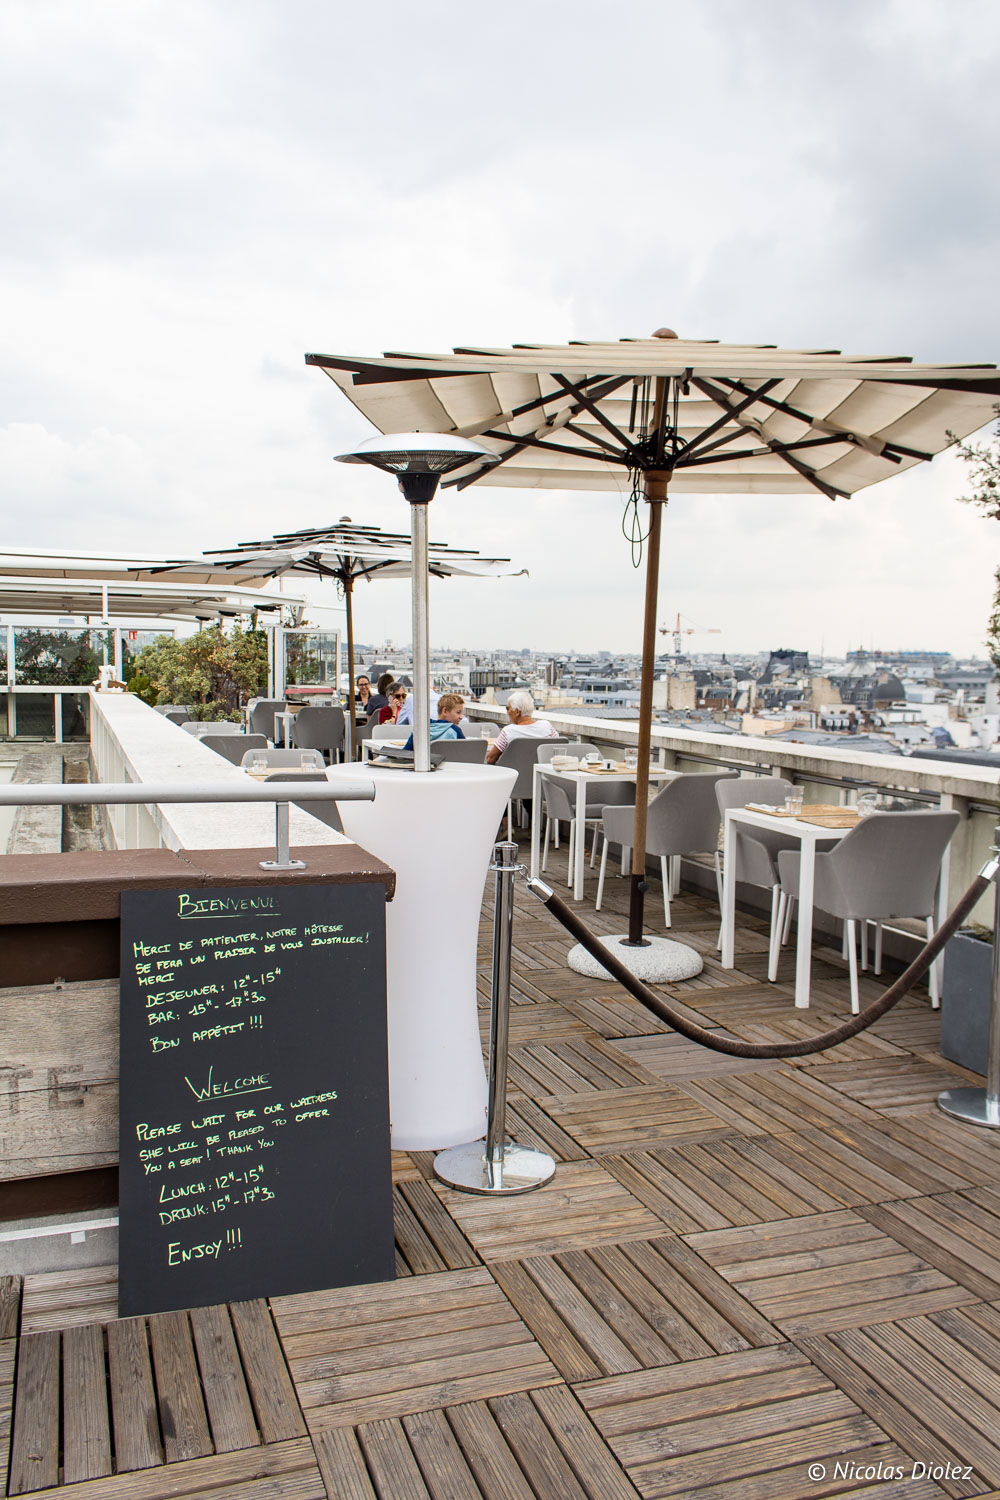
(662, 962)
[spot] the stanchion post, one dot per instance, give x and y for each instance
(282, 858)
(497, 1165)
(982, 1106)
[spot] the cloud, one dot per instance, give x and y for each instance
(194, 198)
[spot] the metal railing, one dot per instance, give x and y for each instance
(154, 792)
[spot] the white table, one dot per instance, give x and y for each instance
(581, 779)
(809, 835)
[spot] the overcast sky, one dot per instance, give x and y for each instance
(195, 193)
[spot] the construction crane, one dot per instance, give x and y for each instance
(677, 631)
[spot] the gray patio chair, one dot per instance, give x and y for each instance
(683, 818)
(520, 756)
(320, 729)
(887, 867)
(563, 795)
(178, 716)
(200, 727)
(469, 752)
(233, 746)
(261, 712)
(756, 849)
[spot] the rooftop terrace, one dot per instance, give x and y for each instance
(743, 1274)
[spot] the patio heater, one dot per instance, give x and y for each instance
(418, 459)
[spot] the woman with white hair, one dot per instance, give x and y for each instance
(523, 725)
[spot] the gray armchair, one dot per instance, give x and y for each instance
(320, 729)
(683, 818)
(887, 866)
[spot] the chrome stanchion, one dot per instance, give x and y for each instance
(497, 1165)
(982, 1106)
(282, 858)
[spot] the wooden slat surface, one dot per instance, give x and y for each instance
(364, 1354)
(741, 1268)
(34, 1456)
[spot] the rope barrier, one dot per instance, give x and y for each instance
(666, 1012)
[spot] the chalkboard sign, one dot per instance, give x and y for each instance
(254, 1115)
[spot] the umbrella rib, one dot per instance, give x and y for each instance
(535, 442)
(595, 411)
(849, 436)
(719, 397)
(697, 445)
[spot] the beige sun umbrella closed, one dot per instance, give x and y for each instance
(641, 416)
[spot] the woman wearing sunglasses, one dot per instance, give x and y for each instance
(397, 697)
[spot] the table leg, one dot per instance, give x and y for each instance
(728, 894)
(581, 839)
(803, 947)
(536, 819)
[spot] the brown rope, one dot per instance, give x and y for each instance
(666, 1012)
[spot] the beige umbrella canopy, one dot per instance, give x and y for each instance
(344, 554)
(641, 415)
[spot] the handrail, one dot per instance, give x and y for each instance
(118, 793)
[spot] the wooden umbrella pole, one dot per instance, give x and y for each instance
(655, 489)
(349, 608)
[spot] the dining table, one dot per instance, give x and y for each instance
(612, 773)
(813, 825)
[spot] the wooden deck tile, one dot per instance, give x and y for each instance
(628, 1119)
(770, 1102)
(890, 1086)
(932, 1383)
(582, 1064)
(401, 1347)
(34, 1449)
(283, 1471)
(529, 1023)
(64, 1299)
(426, 1236)
(583, 1205)
(8, 1366)
(957, 1232)
(825, 1272)
(739, 1424)
(86, 1421)
(529, 1125)
(674, 1059)
(10, 1306)
(615, 1308)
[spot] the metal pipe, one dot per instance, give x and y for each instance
(421, 653)
(504, 861)
(150, 792)
(497, 1166)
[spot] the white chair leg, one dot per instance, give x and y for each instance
(777, 922)
(600, 878)
(934, 977)
(718, 877)
(557, 834)
(864, 945)
(626, 859)
(852, 959)
(571, 862)
(786, 925)
(510, 818)
(878, 947)
(665, 877)
(593, 846)
(675, 882)
(545, 842)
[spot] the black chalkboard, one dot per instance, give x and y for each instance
(254, 1115)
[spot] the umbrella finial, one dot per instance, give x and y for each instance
(664, 333)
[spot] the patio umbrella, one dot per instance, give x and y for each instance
(346, 553)
(644, 416)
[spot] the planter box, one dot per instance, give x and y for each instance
(966, 1000)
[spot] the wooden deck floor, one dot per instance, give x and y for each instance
(747, 1279)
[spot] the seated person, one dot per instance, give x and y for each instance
(379, 698)
(445, 725)
(397, 697)
(363, 695)
(406, 717)
(523, 725)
